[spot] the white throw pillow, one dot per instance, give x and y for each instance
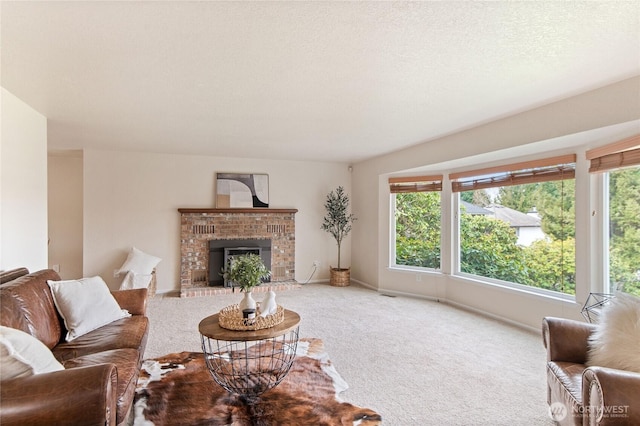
(139, 262)
(616, 341)
(23, 355)
(85, 304)
(133, 281)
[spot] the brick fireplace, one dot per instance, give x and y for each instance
(199, 226)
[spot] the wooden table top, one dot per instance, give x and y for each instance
(209, 327)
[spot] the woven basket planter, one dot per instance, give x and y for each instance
(340, 277)
(151, 290)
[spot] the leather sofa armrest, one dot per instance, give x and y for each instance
(566, 340)
(6, 276)
(611, 396)
(134, 301)
(81, 396)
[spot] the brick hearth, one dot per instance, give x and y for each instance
(198, 226)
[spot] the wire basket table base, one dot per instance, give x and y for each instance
(250, 368)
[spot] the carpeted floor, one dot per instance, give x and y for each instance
(413, 361)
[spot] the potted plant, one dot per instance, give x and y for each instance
(338, 222)
(246, 271)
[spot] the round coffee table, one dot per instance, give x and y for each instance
(249, 363)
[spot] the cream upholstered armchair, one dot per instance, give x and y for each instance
(593, 370)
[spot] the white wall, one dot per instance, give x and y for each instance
(519, 135)
(527, 235)
(23, 185)
(131, 199)
(65, 213)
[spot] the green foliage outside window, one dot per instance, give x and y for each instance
(551, 265)
(624, 230)
(488, 246)
(556, 205)
(418, 229)
(518, 197)
(554, 201)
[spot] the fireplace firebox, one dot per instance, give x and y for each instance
(220, 251)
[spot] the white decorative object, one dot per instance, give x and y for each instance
(268, 305)
(85, 304)
(616, 341)
(22, 355)
(139, 262)
(247, 302)
(134, 280)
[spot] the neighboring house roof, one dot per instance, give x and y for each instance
(513, 217)
(473, 209)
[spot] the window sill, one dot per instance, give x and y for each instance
(515, 288)
(414, 269)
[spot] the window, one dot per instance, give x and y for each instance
(624, 230)
(620, 162)
(417, 220)
(517, 223)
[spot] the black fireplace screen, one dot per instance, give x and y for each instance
(221, 250)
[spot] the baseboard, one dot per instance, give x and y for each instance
(461, 307)
(493, 316)
(313, 282)
(170, 293)
(411, 295)
(363, 284)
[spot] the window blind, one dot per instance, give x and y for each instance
(415, 184)
(544, 170)
(617, 155)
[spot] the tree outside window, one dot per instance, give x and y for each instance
(624, 230)
(417, 218)
(489, 244)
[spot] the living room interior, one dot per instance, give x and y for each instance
(115, 115)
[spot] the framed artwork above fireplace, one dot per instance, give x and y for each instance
(242, 190)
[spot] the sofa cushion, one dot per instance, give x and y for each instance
(126, 362)
(614, 343)
(22, 355)
(85, 305)
(130, 332)
(564, 381)
(568, 377)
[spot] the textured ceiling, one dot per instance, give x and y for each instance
(330, 81)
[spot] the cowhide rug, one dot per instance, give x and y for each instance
(177, 389)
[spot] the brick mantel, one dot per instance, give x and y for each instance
(200, 225)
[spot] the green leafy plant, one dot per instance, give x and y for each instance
(246, 271)
(338, 221)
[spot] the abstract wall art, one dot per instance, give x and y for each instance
(241, 190)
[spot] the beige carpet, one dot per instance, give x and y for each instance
(415, 362)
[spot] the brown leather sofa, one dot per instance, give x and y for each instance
(6, 276)
(101, 367)
(581, 395)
